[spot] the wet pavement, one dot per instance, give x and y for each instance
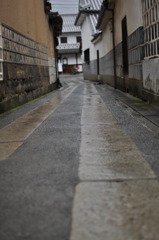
(80, 163)
(147, 110)
(116, 183)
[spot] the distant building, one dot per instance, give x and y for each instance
(121, 44)
(87, 19)
(69, 48)
(28, 68)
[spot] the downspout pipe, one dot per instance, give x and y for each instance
(56, 60)
(114, 51)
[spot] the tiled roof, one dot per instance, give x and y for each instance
(90, 8)
(106, 6)
(68, 23)
(94, 4)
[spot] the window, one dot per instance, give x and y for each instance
(78, 39)
(151, 27)
(87, 56)
(65, 60)
(63, 39)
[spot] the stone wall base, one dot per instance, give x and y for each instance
(19, 99)
(23, 83)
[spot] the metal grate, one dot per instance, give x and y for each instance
(151, 27)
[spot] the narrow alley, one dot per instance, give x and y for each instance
(80, 163)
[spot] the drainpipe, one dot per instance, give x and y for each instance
(114, 52)
(56, 61)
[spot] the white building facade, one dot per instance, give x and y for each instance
(69, 48)
(121, 45)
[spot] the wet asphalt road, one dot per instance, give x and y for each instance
(38, 179)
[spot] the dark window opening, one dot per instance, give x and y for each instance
(63, 39)
(87, 56)
(97, 62)
(78, 39)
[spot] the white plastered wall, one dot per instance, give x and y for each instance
(86, 39)
(129, 8)
(71, 58)
(104, 44)
(133, 11)
(52, 70)
(71, 38)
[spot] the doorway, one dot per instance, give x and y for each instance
(125, 54)
(98, 70)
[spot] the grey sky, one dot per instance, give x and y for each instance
(64, 6)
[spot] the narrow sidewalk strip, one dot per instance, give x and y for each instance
(103, 207)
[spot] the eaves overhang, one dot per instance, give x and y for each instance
(96, 37)
(79, 19)
(82, 14)
(105, 13)
(47, 6)
(56, 22)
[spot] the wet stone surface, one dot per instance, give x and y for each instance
(143, 133)
(116, 210)
(118, 192)
(78, 165)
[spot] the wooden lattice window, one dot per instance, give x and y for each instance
(151, 27)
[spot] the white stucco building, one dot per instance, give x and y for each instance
(69, 48)
(120, 44)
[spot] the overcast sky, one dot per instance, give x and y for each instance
(64, 6)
